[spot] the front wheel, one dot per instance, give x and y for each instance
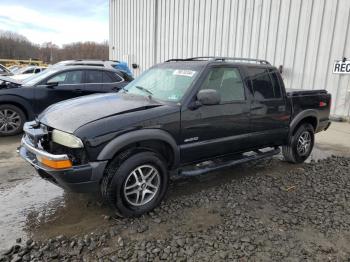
(136, 185)
(300, 144)
(12, 120)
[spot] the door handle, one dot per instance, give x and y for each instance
(78, 90)
(257, 108)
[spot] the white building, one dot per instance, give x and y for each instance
(306, 37)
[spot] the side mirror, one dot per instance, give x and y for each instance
(208, 97)
(51, 84)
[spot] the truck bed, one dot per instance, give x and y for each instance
(301, 92)
(317, 101)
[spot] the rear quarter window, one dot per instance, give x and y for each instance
(108, 77)
(276, 85)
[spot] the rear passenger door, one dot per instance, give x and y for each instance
(269, 112)
(93, 81)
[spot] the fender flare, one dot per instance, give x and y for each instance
(11, 99)
(299, 117)
(109, 151)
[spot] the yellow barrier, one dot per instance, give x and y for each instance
(9, 62)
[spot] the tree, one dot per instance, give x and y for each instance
(16, 46)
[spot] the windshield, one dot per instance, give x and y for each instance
(15, 70)
(37, 78)
(165, 84)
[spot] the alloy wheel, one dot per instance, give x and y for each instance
(141, 185)
(10, 121)
(304, 143)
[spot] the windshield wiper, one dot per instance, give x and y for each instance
(144, 90)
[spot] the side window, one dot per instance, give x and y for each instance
(264, 87)
(118, 77)
(93, 77)
(37, 71)
(228, 82)
(29, 71)
(67, 78)
(108, 78)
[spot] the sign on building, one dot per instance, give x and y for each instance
(341, 67)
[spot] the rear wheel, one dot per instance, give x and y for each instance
(300, 144)
(136, 185)
(12, 120)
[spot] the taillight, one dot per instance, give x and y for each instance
(322, 104)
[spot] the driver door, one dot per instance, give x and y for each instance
(214, 130)
(62, 86)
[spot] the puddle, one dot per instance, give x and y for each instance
(18, 202)
(38, 209)
(319, 154)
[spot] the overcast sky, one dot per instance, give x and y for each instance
(57, 21)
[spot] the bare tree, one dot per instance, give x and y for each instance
(16, 46)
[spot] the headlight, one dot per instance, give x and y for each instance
(66, 139)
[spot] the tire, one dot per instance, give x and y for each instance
(123, 180)
(296, 151)
(12, 120)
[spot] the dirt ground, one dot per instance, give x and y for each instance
(31, 208)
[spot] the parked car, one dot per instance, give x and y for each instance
(20, 102)
(215, 111)
(112, 64)
(14, 68)
(26, 72)
(4, 71)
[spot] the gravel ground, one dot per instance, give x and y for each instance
(300, 214)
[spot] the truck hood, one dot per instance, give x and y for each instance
(71, 114)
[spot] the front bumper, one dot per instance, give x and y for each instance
(82, 178)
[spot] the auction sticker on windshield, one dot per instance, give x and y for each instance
(341, 67)
(188, 73)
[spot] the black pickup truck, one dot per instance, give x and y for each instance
(184, 117)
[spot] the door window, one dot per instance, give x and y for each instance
(29, 71)
(93, 77)
(264, 87)
(228, 82)
(67, 78)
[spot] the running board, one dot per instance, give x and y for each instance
(214, 167)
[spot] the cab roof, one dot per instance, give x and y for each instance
(199, 62)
